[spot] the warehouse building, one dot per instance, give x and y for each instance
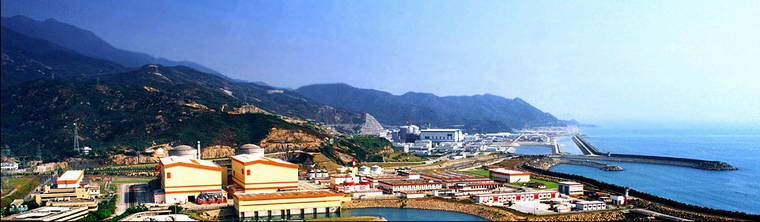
(509, 176)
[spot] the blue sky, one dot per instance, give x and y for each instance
(595, 61)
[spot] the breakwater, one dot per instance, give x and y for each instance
(601, 166)
(592, 153)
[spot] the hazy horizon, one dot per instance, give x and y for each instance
(594, 61)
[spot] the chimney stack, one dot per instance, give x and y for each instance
(199, 150)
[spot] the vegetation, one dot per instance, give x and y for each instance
(402, 157)
(23, 186)
(106, 208)
(129, 211)
(365, 148)
(481, 172)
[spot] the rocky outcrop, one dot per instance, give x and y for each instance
(371, 127)
(286, 139)
(247, 109)
(121, 159)
(217, 151)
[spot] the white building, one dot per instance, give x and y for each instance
(449, 146)
(570, 188)
(8, 166)
(422, 147)
(70, 179)
(442, 135)
(590, 205)
(395, 186)
(617, 199)
(509, 176)
(503, 198)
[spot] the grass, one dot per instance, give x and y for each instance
(23, 186)
(402, 157)
(484, 173)
(549, 184)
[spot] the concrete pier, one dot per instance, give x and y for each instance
(592, 153)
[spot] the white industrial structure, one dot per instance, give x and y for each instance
(442, 135)
(570, 188)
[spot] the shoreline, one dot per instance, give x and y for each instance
(650, 201)
(483, 211)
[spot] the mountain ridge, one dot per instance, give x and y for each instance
(478, 113)
(87, 43)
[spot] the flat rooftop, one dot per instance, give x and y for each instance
(451, 175)
(71, 176)
(509, 172)
(286, 195)
(570, 183)
(249, 158)
(408, 182)
(186, 161)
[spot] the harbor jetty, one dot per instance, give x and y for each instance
(592, 153)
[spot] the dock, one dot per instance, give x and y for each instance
(592, 153)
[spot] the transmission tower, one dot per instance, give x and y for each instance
(76, 138)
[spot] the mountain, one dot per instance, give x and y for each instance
(25, 59)
(479, 113)
(120, 108)
(87, 43)
(151, 104)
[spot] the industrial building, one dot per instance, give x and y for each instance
(70, 179)
(50, 214)
(262, 205)
(255, 173)
(570, 188)
(590, 205)
(442, 135)
(451, 179)
(184, 177)
(68, 191)
(266, 187)
(509, 176)
(395, 186)
(505, 198)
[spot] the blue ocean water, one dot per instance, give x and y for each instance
(728, 190)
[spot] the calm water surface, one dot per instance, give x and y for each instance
(728, 190)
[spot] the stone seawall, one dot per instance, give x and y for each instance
(487, 212)
(699, 164)
(597, 165)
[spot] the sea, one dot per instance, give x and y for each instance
(727, 190)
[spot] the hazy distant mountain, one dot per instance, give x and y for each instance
(25, 59)
(87, 43)
(484, 113)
